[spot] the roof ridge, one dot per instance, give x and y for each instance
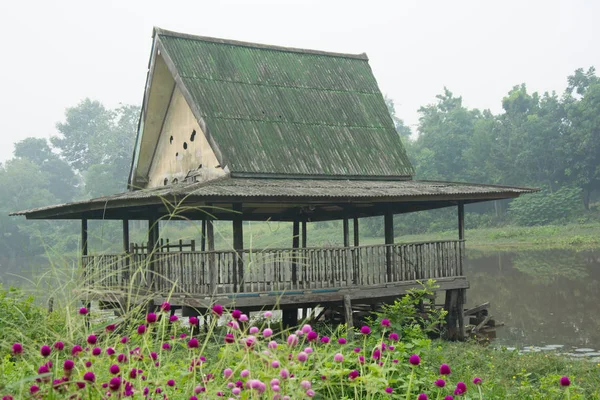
(163, 32)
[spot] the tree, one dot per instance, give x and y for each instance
(403, 130)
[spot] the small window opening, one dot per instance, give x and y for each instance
(171, 140)
(166, 181)
(185, 145)
(193, 136)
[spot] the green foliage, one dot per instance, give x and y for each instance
(20, 316)
(545, 207)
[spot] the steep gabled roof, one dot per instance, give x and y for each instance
(269, 110)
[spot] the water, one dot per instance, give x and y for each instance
(547, 299)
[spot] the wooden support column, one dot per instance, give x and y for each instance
(126, 235)
(84, 252)
(84, 237)
(212, 265)
(303, 234)
(203, 241)
(238, 246)
(349, 316)
(153, 237)
(346, 232)
(454, 319)
(461, 220)
(295, 245)
(348, 253)
(388, 227)
(356, 235)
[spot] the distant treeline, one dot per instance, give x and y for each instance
(547, 141)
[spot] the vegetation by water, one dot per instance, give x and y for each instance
(55, 355)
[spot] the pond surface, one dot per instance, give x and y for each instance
(548, 299)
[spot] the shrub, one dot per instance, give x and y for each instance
(545, 207)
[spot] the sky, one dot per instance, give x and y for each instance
(57, 53)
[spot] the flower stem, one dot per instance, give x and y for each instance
(410, 381)
(480, 394)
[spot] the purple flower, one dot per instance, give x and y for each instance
(448, 398)
(376, 354)
(110, 328)
(110, 351)
(254, 330)
(114, 369)
(193, 343)
(59, 346)
(284, 373)
(394, 336)
(89, 376)
(173, 318)
(171, 382)
(17, 348)
(414, 360)
(114, 384)
(165, 306)
(68, 365)
(353, 375)
(166, 346)
(268, 314)
(88, 364)
(361, 359)
(356, 350)
(477, 381)
(385, 322)
(141, 329)
(339, 357)
(445, 369)
(83, 311)
(229, 338)
(310, 393)
(151, 318)
(440, 383)
(312, 336)
(122, 358)
(243, 317)
(194, 321)
(422, 396)
(218, 309)
(325, 339)
(236, 314)
(389, 390)
(92, 339)
(267, 332)
(306, 328)
(461, 388)
(245, 373)
(96, 351)
(76, 350)
(34, 389)
(302, 356)
(342, 340)
(292, 340)
(125, 339)
(365, 330)
(45, 351)
(565, 381)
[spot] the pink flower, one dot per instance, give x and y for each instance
(236, 314)
(353, 375)
(306, 384)
(173, 318)
(268, 314)
(342, 340)
(83, 311)
(165, 306)
(310, 393)
(245, 373)
(461, 388)
(141, 329)
(565, 381)
(312, 336)
(339, 357)
(229, 338)
(115, 384)
(59, 346)
(302, 356)
(267, 332)
(440, 383)
(445, 369)
(292, 340)
(356, 350)
(166, 346)
(389, 390)
(34, 389)
(414, 360)
(254, 330)
(448, 398)
(284, 373)
(193, 343)
(17, 348)
(394, 337)
(151, 318)
(110, 351)
(385, 322)
(376, 354)
(365, 330)
(422, 396)
(275, 364)
(325, 339)
(92, 339)
(96, 351)
(477, 381)
(218, 309)
(272, 345)
(171, 382)
(243, 317)
(125, 339)
(76, 350)
(361, 359)
(194, 321)
(250, 341)
(110, 328)
(45, 351)
(306, 328)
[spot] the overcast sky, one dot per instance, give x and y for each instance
(56, 53)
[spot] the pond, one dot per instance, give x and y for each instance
(548, 299)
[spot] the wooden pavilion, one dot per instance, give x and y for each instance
(249, 132)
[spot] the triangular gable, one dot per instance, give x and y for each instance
(278, 112)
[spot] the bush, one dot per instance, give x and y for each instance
(545, 207)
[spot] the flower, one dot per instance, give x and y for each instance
(141, 329)
(414, 360)
(461, 388)
(389, 390)
(245, 373)
(312, 336)
(267, 332)
(218, 309)
(306, 328)
(59, 345)
(385, 322)
(361, 359)
(342, 340)
(284, 373)
(292, 340)
(171, 382)
(68, 365)
(193, 343)
(114, 384)
(165, 306)
(477, 381)
(96, 351)
(76, 350)
(354, 374)
(110, 328)
(153, 355)
(356, 350)
(254, 330)
(325, 339)
(110, 351)
(250, 341)
(339, 357)
(302, 356)
(422, 396)
(45, 351)
(89, 376)
(243, 317)
(125, 339)
(229, 338)
(440, 383)
(173, 318)
(83, 311)
(34, 389)
(272, 345)
(448, 398)
(565, 381)
(376, 354)
(268, 314)
(166, 346)
(114, 369)
(194, 321)
(275, 364)
(305, 384)
(445, 369)
(394, 336)
(310, 393)
(236, 314)
(92, 339)
(17, 348)
(151, 318)
(365, 330)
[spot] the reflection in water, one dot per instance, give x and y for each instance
(544, 297)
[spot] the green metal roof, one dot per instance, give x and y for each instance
(273, 110)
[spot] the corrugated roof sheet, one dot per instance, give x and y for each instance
(274, 190)
(287, 111)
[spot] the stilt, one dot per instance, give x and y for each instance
(348, 316)
(454, 318)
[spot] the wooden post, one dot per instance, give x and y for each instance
(126, 235)
(153, 237)
(295, 245)
(454, 319)
(356, 236)
(348, 316)
(461, 220)
(388, 227)
(84, 237)
(203, 242)
(303, 234)
(212, 265)
(238, 245)
(346, 232)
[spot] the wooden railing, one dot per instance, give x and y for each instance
(276, 270)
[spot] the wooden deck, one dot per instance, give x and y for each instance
(252, 277)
